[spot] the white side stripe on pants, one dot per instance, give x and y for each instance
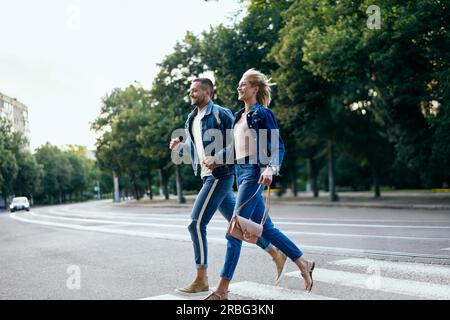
(205, 204)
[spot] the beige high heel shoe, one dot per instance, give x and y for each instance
(308, 270)
(280, 262)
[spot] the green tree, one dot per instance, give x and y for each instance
(230, 51)
(398, 64)
(8, 163)
(118, 149)
(28, 179)
(57, 174)
(309, 108)
(170, 106)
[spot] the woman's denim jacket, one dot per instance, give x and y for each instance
(260, 118)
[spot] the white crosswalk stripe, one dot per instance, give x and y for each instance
(423, 290)
(252, 290)
(259, 291)
(398, 267)
(374, 282)
(165, 297)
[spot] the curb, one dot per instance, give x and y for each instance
(310, 204)
(370, 206)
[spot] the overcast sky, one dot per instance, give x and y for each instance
(59, 57)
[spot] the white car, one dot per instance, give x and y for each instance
(19, 203)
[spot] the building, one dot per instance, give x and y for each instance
(17, 114)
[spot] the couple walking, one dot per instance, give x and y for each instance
(252, 150)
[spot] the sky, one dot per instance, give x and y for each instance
(60, 57)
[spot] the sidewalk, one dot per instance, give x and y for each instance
(415, 199)
(423, 200)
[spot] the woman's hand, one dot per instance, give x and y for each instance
(266, 177)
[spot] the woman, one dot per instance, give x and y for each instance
(254, 171)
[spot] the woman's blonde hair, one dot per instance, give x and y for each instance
(259, 79)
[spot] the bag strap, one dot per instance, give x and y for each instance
(267, 204)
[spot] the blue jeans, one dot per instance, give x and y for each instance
(247, 179)
(215, 194)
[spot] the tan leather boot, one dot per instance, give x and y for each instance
(198, 285)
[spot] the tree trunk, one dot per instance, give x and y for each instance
(149, 179)
(294, 183)
(116, 188)
(312, 177)
(163, 188)
(2, 197)
(331, 173)
(161, 183)
(179, 182)
(137, 195)
(376, 183)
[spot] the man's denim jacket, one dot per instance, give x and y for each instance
(217, 122)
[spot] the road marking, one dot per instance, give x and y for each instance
(366, 252)
(259, 291)
(122, 225)
(103, 214)
(352, 225)
(106, 230)
(110, 221)
(221, 240)
(448, 249)
(256, 291)
(363, 220)
(165, 217)
(399, 267)
(277, 218)
(369, 236)
(319, 234)
(165, 297)
(391, 285)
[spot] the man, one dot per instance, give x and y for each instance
(216, 192)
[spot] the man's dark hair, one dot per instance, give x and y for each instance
(206, 83)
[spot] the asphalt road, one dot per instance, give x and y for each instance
(98, 250)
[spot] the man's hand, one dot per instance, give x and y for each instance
(266, 177)
(210, 162)
(174, 144)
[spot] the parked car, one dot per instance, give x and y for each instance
(19, 203)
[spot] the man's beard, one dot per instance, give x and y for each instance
(198, 102)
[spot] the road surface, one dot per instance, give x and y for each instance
(99, 250)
